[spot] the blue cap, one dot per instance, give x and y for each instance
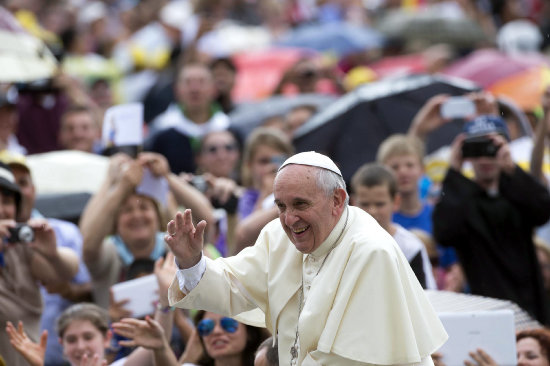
(485, 125)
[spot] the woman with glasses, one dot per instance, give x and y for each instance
(265, 150)
(217, 177)
(217, 341)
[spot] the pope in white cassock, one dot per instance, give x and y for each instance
(331, 284)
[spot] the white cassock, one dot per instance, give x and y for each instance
(364, 307)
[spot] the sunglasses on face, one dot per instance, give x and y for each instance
(277, 160)
(206, 326)
(214, 148)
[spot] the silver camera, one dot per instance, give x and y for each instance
(21, 233)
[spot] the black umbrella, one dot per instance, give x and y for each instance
(351, 129)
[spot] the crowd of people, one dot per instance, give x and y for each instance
(479, 224)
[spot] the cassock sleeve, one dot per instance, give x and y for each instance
(220, 290)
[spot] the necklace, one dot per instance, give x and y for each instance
(294, 348)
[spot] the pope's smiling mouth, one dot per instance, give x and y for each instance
(300, 230)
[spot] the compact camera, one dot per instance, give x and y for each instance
(21, 233)
(476, 147)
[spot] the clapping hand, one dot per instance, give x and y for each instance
(165, 270)
(146, 333)
(34, 353)
(93, 361)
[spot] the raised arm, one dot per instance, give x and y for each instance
(185, 240)
(148, 334)
(98, 218)
(428, 118)
(185, 194)
(541, 135)
(34, 353)
(165, 270)
(50, 263)
(249, 228)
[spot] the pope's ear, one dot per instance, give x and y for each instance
(339, 197)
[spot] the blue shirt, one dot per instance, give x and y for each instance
(423, 221)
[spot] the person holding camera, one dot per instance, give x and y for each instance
(122, 221)
(490, 218)
(29, 256)
(60, 295)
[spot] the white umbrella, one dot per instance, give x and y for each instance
(23, 57)
(447, 301)
(443, 22)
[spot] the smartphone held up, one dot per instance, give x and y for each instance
(458, 108)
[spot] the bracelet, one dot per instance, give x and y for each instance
(164, 309)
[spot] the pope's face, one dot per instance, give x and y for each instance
(307, 214)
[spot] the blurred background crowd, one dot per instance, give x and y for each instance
(393, 91)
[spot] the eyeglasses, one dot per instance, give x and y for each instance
(214, 148)
(206, 326)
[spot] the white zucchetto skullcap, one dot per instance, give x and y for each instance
(312, 158)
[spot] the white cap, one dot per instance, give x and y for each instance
(312, 158)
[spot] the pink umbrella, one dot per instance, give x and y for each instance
(259, 72)
(491, 68)
(399, 65)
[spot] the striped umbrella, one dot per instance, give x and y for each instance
(447, 301)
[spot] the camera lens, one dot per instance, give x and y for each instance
(26, 234)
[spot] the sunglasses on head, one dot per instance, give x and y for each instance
(214, 148)
(206, 326)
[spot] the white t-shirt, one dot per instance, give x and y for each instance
(411, 246)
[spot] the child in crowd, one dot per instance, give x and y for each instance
(404, 156)
(83, 331)
(375, 191)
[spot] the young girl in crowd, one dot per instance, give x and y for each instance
(83, 331)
